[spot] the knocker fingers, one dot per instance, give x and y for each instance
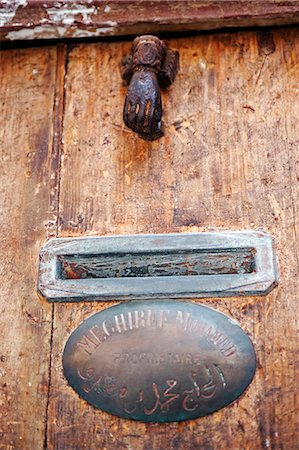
(149, 64)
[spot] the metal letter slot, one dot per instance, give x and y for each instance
(211, 264)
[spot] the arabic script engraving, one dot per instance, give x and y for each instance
(159, 396)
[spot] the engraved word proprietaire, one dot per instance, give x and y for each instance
(159, 361)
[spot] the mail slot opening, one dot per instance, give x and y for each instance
(157, 264)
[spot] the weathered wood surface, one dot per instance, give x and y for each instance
(28, 204)
(229, 160)
(52, 19)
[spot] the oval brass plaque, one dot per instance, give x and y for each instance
(159, 361)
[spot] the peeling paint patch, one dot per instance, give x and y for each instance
(8, 9)
(52, 32)
(40, 32)
(111, 23)
(68, 14)
(104, 31)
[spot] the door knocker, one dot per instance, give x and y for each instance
(149, 66)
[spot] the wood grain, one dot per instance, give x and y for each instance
(229, 160)
(56, 19)
(28, 204)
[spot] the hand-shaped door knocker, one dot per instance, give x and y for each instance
(149, 66)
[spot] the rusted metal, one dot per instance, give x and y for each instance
(181, 263)
(159, 361)
(150, 266)
(149, 66)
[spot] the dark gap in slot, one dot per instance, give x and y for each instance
(157, 264)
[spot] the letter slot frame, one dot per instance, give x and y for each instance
(178, 265)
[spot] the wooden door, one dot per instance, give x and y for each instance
(69, 167)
